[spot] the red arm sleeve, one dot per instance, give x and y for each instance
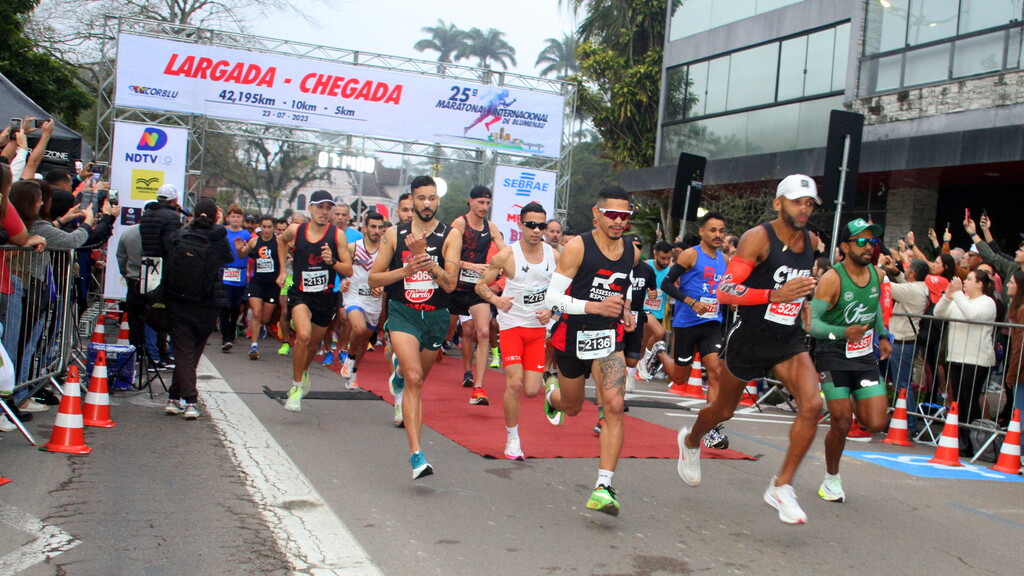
(732, 291)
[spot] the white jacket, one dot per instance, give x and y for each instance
(968, 343)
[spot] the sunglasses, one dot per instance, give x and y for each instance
(862, 242)
(616, 214)
(536, 225)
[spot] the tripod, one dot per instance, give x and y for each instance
(144, 362)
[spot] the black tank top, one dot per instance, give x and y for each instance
(310, 272)
(475, 245)
(782, 264)
(265, 255)
(418, 291)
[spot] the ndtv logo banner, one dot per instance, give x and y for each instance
(152, 139)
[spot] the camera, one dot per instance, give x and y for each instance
(112, 196)
(15, 126)
(97, 168)
(34, 123)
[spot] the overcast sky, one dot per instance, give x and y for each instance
(393, 26)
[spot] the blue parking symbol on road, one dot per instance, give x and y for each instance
(919, 466)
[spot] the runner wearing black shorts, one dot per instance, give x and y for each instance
(263, 289)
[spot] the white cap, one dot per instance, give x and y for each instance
(797, 186)
(167, 191)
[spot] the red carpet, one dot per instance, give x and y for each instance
(481, 429)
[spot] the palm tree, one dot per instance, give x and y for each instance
(488, 47)
(446, 39)
(560, 57)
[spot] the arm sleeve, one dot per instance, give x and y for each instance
(819, 328)
(556, 298)
(732, 291)
(668, 284)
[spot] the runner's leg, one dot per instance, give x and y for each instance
(801, 380)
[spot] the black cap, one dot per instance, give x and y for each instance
(250, 217)
(321, 196)
(480, 191)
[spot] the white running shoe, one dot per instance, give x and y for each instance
(832, 489)
(33, 406)
(399, 419)
(351, 383)
(783, 499)
(689, 459)
(6, 425)
(294, 402)
(641, 366)
(513, 451)
(346, 368)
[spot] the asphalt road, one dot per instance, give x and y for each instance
(253, 489)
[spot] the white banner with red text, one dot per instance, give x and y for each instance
(312, 94)
(515, 187)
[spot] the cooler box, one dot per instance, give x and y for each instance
(120, 365)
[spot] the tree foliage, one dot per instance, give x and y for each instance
(558, 58)
(445, 39)
(488, 48)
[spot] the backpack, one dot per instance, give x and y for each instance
(190, 272)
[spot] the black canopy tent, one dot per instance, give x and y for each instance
(65, 144)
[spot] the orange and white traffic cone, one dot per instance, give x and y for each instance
(123, 334)
(898, 424)
(68, 435)
(694, 387)
(1009, 455)
(97, 399)
(948, 452)
(98, 333)
(749, 397)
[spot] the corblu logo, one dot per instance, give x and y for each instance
(152, 139)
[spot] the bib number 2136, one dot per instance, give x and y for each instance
(593, 344)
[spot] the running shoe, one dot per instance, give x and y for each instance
(305, 384)
(226, 346)
(599, 426)
(399, 419)
(420, 466)
(513, 451)
(479, 397)
(174, 407)
(32, 406)
(495, 358)
(343, 356)
(396, 383)
(294, 402)
(689, 459)
(467, 379)
(191, 412)
(284, 349)
(630, 382)
(653, 364)
(858, 433)
(346, 368)
(6, 425)
(328, 359)
(641, 366)
(783, 499)
(556, 417)
(254, 351)
(716, 439)
(604, 499)
(832, 489)
(351, 383)
(263, 332)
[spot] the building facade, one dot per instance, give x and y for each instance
(750, 84)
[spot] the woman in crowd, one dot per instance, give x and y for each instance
(1014, 377)
(970, 351)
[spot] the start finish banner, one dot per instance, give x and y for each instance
(516, 187)
(292, 91)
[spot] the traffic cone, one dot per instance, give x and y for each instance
(68, 435)
(98, 334)
(749, 397)
(4, 480)
(1009, 455)
(898, 424)
(123, 332)
(948, 452)
(694, 387)
(97, 399)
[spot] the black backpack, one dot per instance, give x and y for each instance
(190, 272)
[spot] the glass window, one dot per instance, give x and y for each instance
(300, 202)
(692, 17)
(812, 127)
(697, 91)
(717, 86)
(886, 27)
(840, 57)
(820, 46)
(772, 129)
(792, 63)
(981, 14)
(927, 65)
(1013, 49)
(695, 16)
(978, 55)
(675, 93)
(725, 12)
(752, 76)
(932, 20)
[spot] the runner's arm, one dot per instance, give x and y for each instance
(283, 239)
(448, 277)
(568, 266)
(243, 252)
(344, 264)
(490, 275)
(682, 264)
(380, 275)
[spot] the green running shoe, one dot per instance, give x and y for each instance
(305, 384)
(294, 402)
(556, 417)
(604, 499)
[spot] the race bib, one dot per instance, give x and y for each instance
(420, 281)
(861, 347)
(784, 313)
(594, 344)
(469, 276)
(712, 307)
(365, 291)
(264, 265)
(534, 299)
(232, 274)
(654, 303)
(314, 280)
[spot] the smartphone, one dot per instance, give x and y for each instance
(86, 199)
(97, 168)
(112, 196)
(15, 126)
(35, 123)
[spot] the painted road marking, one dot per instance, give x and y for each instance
(49, 542)
(919, 466)
(306, 529)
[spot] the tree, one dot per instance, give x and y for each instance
(560, 57)
(488, 47)
(445, 39)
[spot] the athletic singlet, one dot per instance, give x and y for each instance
(782, 264)
(856, 305)
(700, 283)
(265, 255)
(641, 279)
(419, 291)
(587, 335)
(475, 244)
(527, 289)
(362, 261)
(311, 274)
(659, 303)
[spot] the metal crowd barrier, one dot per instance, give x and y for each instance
(39, 318)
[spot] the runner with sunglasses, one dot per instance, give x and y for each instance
(768, 279)
(590, 288)
(846, 314)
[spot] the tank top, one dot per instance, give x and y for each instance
(362, 262)
(782, 264)
(475, 244)
(265, 255)
(641, 279)
(527, 289)
(856, 305)
(312, 275)
(701, 283)
(659, 303)
(592, 336)
(418, 291)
